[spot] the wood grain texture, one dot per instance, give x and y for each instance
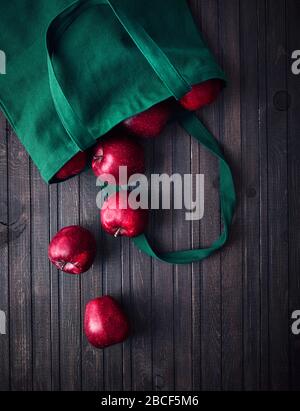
(140, 308)
(195, 243)
(91, 283)
(250, 189)
(209, 292)
(54, 293)
(182, 274)
(112, 285)
(69, 296)
(20, 276)
(277, 197)
(141, 316)
(4, 232)
(231, 258)
(41, 290)
(223, 324)
(163, 285)
(263, 193)
(293, 12)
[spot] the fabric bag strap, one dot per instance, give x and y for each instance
(227, 199)
(176, 84)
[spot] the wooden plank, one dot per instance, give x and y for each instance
(54, 288)
(4, 272)
(197, 374)
(162, 278)
(182, 274)
(41, 291)
(196, 285)
(250, 193)
(70, 296)
(277, 197)
(20, 266)
(208, 305)
(292, 19)
(141, 305)
(263, 224)
(141, 319)
(91, 282)
(126, 304)
(232, 266)
(112, 285)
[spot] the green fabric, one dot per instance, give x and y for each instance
(104, 76)
(83, 67)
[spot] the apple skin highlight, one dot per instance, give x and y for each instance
(72, 250)
(105, 323)
(119, 219)
(115, 151)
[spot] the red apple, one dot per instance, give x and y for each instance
(115, 151)
(72, 250)
(151, 122)
(202, 94)
(105, 323)
(119, 219)
(73, 167)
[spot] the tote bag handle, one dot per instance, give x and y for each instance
(177, 85)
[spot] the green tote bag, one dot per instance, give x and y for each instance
(77, 69)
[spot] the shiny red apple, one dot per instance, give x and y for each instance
(73, 167)
(115, 151)
(72, 250)
(202, 94)
(119, 218)
(105, 323)
(151, 122)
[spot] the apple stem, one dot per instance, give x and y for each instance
(117, 232)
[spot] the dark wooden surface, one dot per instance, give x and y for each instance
(222, 324)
